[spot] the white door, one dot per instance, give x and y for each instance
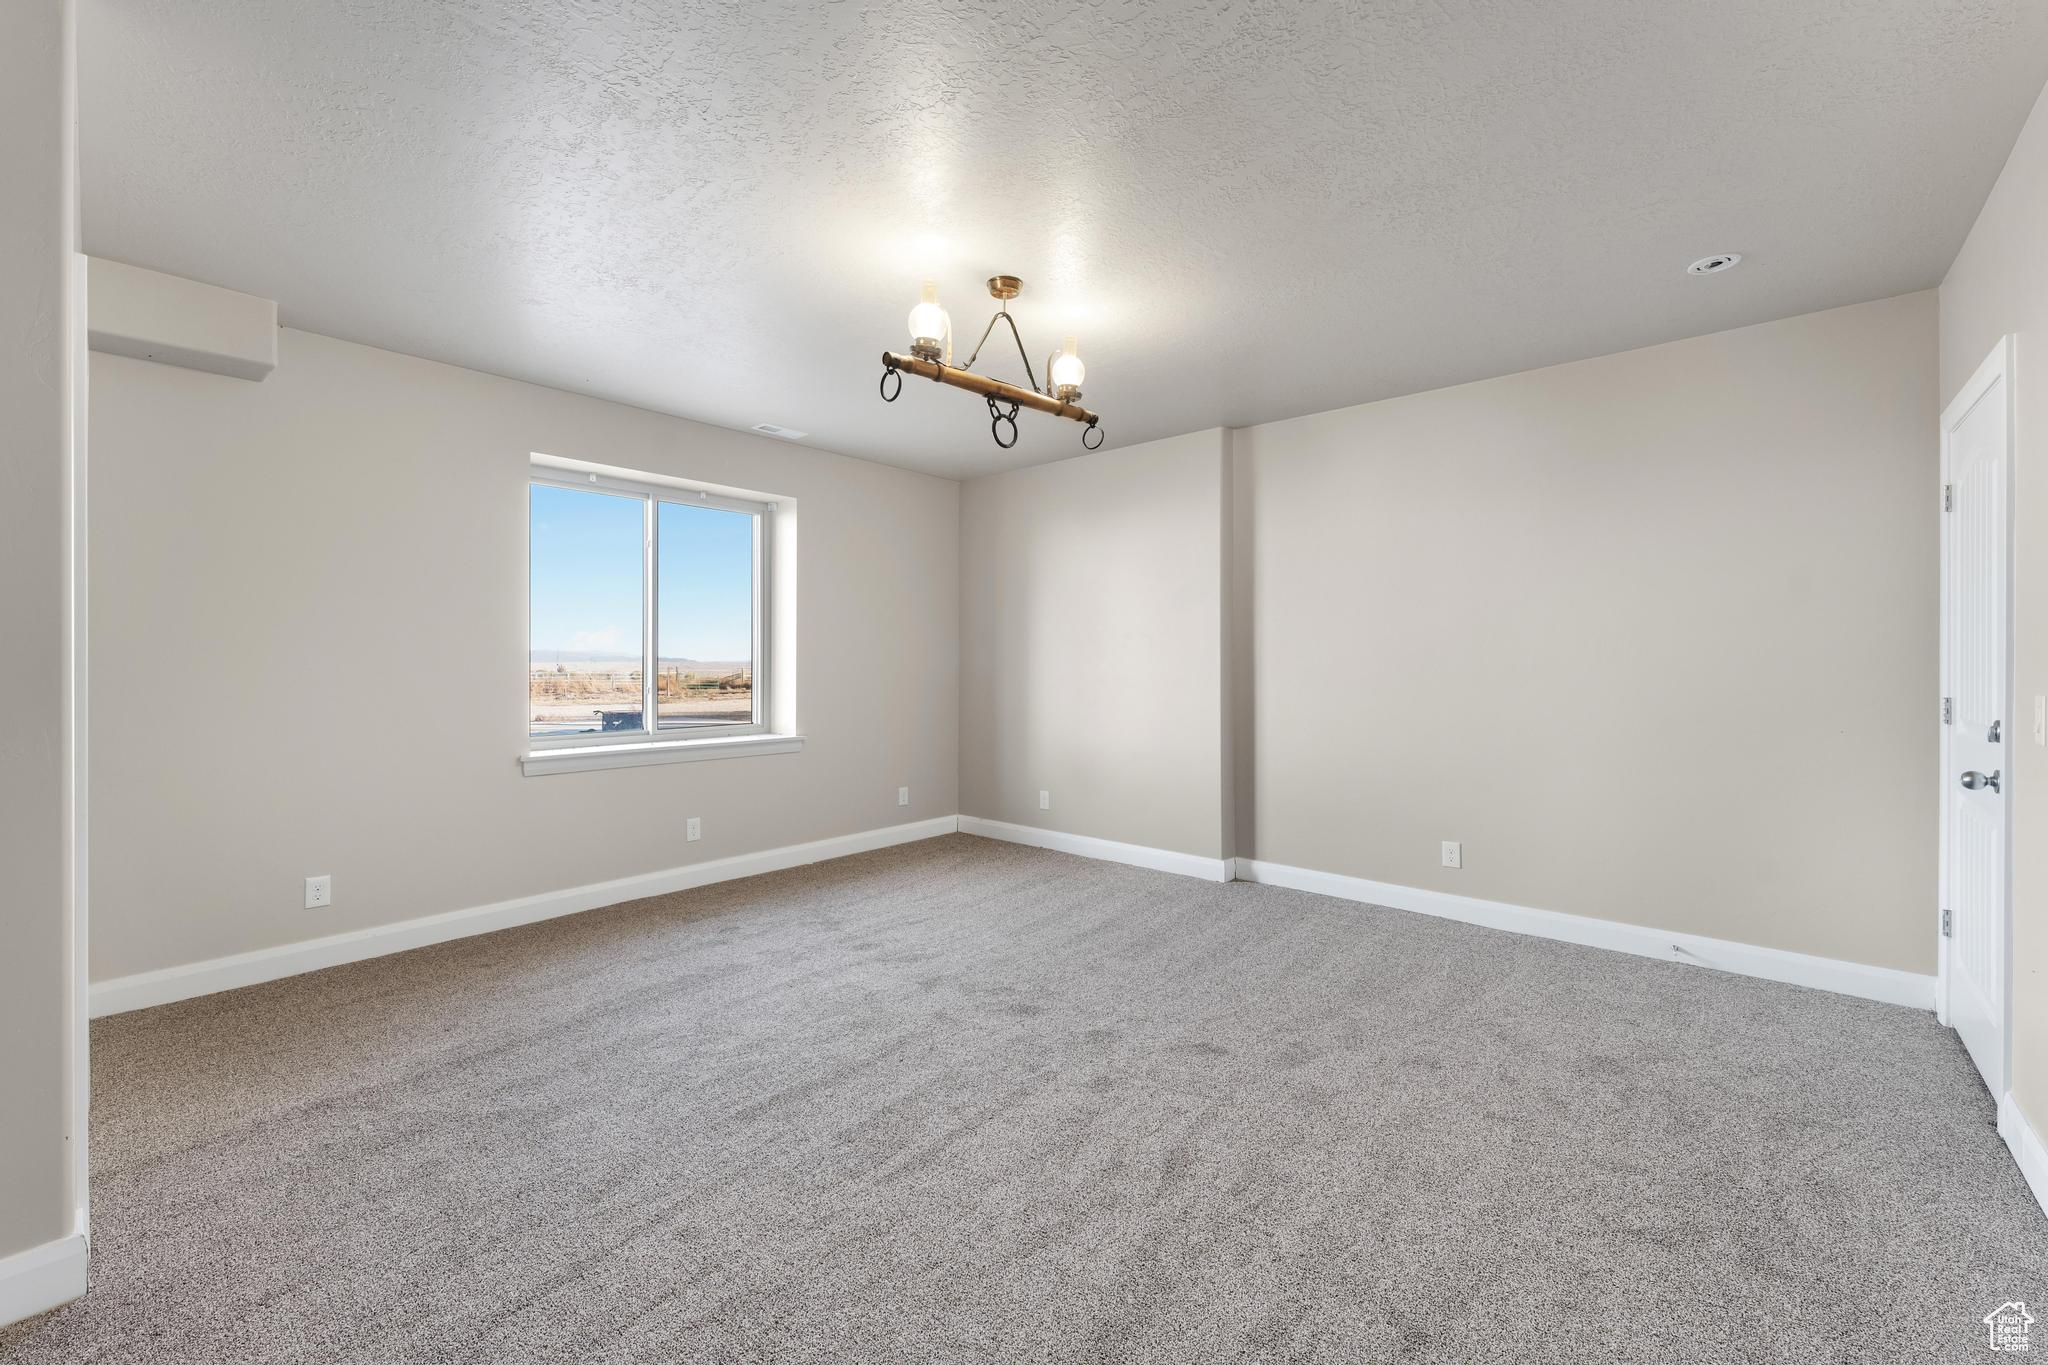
(1976, 771)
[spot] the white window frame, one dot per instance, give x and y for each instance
(654, 742)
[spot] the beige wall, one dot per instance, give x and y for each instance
(1653, 635)
(1999, 285)
(1507, 613)
(1092, 645)
(36, 229)
(310, 634)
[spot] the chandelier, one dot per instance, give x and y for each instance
(931, 357)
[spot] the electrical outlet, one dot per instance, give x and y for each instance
(1045, 800)
(693, 828)
(319, 892)
(903, 796)
(1454, 853)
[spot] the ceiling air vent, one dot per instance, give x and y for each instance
(782, 433)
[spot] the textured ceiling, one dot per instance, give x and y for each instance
(1245, 210)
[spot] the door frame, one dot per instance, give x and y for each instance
(1997, 367)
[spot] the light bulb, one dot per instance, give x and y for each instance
(1068, 372)
(929, 324)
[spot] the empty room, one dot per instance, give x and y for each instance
(1121, 682)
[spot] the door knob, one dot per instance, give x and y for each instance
(1974, 780)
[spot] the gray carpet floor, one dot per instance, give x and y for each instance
(963, 1100)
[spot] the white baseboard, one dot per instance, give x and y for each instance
(41, 1278)
(2027, 1148)
(245, 969)
(1109, 850)
(1773, 964)
(268, 964)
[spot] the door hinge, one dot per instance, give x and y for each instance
(1947, 928)
(1948, 497)
(1948, 710)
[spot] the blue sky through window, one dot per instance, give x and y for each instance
(586, 587)
(706, 597)
(585, 574)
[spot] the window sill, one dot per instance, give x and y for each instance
(585, 757)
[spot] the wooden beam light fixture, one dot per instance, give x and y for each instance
(931, 357)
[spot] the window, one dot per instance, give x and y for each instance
(645, 612)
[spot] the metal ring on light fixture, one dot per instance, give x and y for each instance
(996, 418)
(890, 372)
(1099, 434)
